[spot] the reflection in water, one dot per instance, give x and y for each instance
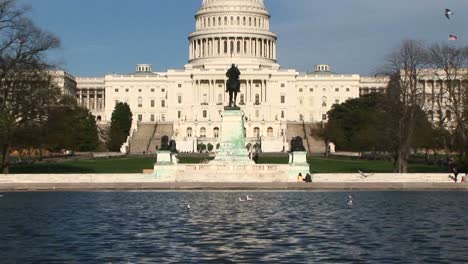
(275, 227)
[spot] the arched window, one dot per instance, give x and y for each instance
(270, 132)
(98, 118)
(243, 21)
(238, 21)
(241, 99)
(256, 132)
(225, 47)
(219, 21)
(203, 132)
(257, 99)
(232, 21)
(140, 101)
(324, 101)
(238, 47)
(225, 21)
(250, 21)
(216, 132)
(189, 132)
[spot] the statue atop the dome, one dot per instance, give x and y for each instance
(233, 84)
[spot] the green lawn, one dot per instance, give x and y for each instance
(111, 165)
(137, 164)
(336, 165)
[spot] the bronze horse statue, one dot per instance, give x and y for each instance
(233, 84)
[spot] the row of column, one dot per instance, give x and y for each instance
(85, 95)
(251, 47)
(212, 96)
(244, 21)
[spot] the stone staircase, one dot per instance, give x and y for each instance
(141, 138)
(148, 137)
(160, 130)
(303, 130)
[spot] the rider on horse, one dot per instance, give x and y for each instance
(233, 84)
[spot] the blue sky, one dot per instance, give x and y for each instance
(353, 36)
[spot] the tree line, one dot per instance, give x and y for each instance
(410, 115)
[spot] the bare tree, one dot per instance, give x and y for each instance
(405, 65)
(449, 64)
(26, 90)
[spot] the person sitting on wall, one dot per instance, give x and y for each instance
(300, 178)
(308, 178)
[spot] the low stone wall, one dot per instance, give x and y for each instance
(198, 174)
(383, 177)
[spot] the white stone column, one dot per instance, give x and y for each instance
(95, 99)
(80, 97)
(241, 46)
(274, 50)
(88, 103)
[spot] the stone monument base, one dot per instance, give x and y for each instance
(228, 173)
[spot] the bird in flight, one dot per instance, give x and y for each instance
(448, 13)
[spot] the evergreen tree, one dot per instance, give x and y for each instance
(121, 122)
(71, 127)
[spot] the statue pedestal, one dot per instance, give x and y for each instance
(232, 150)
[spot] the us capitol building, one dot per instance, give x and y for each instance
(187, 104)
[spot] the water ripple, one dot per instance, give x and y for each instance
(276, 227)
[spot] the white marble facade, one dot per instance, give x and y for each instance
(192, 98)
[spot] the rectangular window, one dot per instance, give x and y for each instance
(179, 85)
(179, 99)
(337, 101)
(257, 113)
(179, 114)
(152, 117)
(282, 114)
(337, 89)
(163, 103)
(300, 90)
(116, 90)
(163, 117)
(126, 90)
(152, 90)
(205, 113)
(283, 85)
(324, 116)
(311, 89)
(140, 117)
(283, 99)
(163, 90)
(347, 89)
(152, 103)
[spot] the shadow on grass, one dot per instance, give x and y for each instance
(49, 169)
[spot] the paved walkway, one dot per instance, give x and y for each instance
(5, 187)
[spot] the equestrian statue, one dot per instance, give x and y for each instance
(233, 84)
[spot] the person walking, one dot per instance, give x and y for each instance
(453, 169)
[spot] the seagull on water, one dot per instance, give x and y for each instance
(241, 200)
(249, 198)
(188, 206)
(350, 201)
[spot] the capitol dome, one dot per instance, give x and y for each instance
(232, 31)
